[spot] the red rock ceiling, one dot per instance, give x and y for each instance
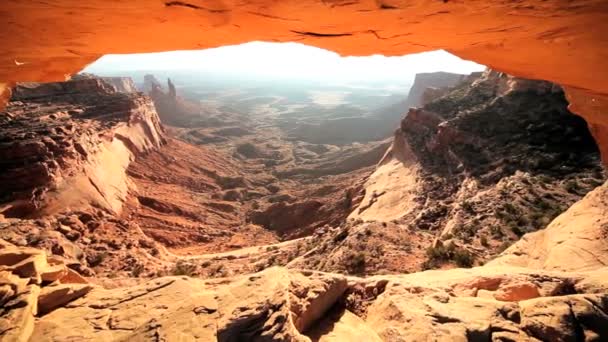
(563, 41)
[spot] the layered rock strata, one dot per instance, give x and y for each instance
(467, 175)
(66, 146)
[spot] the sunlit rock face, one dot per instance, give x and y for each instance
(67, 145)
(172, 109)
(427, 83)
(563, 42)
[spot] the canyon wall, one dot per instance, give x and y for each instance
(66, 146)
(172, 109)
(493, 159)
(432, 80)
(121, 84)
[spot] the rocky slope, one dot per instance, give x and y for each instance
(495, 153)
(466, 176)
(552, 40)
(112, 193)
(68, 145)
(122, 84)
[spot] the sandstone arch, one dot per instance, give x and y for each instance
(561, 41)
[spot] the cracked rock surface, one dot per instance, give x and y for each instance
(277, 304)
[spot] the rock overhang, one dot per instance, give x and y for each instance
(563, 42)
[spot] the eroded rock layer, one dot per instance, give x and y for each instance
(66, 146)
(467, 175)
(485, 303)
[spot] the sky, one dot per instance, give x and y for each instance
(287, 60)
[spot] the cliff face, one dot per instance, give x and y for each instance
(122, 84)
(151, 83)
(433, 80)
(66, 146)
(172, 109)
(468, 174)
(493, 158)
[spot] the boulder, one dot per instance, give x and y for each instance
(17, 323)
(52, 297)
(72, 277)
(517, 292)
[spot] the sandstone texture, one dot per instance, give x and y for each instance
(31, 285)
(485, 303)
(551, 40)
(466, 176)
(427, 83)
(115, 228)
(68, 145)
(575, 240)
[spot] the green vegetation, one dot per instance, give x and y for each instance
(468, 207)
(439, 254)
(483, 240)
(355, 262)
(572, 186)
(183, 268)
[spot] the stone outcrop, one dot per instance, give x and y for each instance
(487, 303)
(575, 240)
(31, 285)
(67, 146)
(493, 159)
(172, 109)
(420, 93)
(121, 84)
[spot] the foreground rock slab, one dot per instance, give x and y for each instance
(278, 304)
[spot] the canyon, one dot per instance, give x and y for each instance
(106, 207)
(481, 214)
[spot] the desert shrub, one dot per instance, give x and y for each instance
(355, 262)
(503, 246)
(468, 207)
(137, 270)
(496, 231)
(483, 240)
(516, 230)
(272, 260)
(260, 266)
(463, 258)
(96, 259)
(183, 268)
(343, 234)
(466, 231)
(542, 204)
(450, 252)
(510, 208)
(348, 199)
(572, 186)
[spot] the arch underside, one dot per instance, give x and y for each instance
(564, 42)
